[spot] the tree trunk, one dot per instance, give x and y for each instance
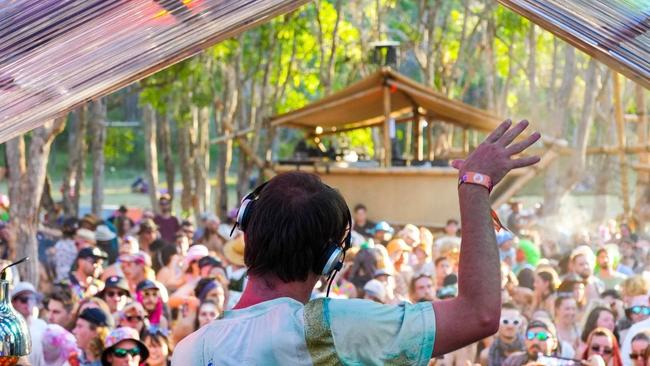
(166, 147)
(48, 204)
(98, 124)
(151, 155)
(26, 182)
(74, 176)
(552, 198)
(490, 74)
(202, 159)
(186, 162)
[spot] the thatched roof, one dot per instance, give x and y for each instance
(361, 105)
(616, 32)
(56, 54)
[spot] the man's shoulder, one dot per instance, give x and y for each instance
(516, 359)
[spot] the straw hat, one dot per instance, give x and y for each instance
(234, 251)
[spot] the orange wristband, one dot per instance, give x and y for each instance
(476, 178)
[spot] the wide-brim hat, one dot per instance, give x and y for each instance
(123, 334)
(234, 251)
(103, 233)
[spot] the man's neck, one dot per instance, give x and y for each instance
(82, 278)
(605, 272)
(261, 289)
(506, 340)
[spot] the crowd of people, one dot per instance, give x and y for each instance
(119, 292)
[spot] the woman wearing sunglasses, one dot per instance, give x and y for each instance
(602, 342)
(123, 347)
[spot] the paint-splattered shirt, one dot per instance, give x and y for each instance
(326, 331)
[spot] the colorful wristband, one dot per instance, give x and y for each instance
(476, 178)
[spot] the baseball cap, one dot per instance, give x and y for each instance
(118, 283)
(146, 285)
(94, 252)
(139, 257)
(375, 289)
(209, 261)
(23, 287)
(542, 323)
(95, 316)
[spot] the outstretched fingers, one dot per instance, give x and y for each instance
(499, 131)
(524, 162)
(512, 134)
(523, 145)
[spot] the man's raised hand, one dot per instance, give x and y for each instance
(493, 157)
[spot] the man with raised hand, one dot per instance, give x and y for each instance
(295, 230)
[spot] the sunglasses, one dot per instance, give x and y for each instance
(542, 336)
(602, 349)
(122, 352)
(135, 317)
(639, 309)
(115, 293)
(23, 299)
(506, 321)
(634, 356)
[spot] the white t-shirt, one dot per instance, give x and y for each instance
(283, 331)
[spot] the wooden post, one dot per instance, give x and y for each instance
(387, 153)
(620, 136)
(419, 142)
(465, 140)
(430, 150)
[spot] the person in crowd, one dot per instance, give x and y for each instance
(443, 269)
(362, 225)
(124, 226)
(170, 274)
(236, 270)
(544, 286)
(598, 317)
(574, 286)
(106, 241)
(59, 346)
(147, 234)
(89, 221)
(116, 293)
(84, 278)
(211, 238)
(606, 272)
(148, 294)
(135, 268)
(506, 241)
(211, 289)
(375, 291)
(411, 235)
(640, 347)
(637, 310)
(182, 243)
(566, 312)
(66, 248)
(540, 339)
(382, 233)
(509, 338)
(24, 300)
(91, 330)
(128, 246)
(422, 288)
(187, 228)
(159, 348)
(59, 305)
(582, 263)
(123, 347)
(398, 252)
(451, 230)
(167, 223)
(134, 316)
(422, 259)
(602, 342)
(208, 311)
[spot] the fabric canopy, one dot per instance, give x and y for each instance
(55, 55)
(616, 32)
(362, 104)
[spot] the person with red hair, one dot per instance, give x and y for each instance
(602, 342)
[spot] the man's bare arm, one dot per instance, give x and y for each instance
(474, 314)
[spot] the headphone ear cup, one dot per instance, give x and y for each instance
(244, 213)
(333, 260)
